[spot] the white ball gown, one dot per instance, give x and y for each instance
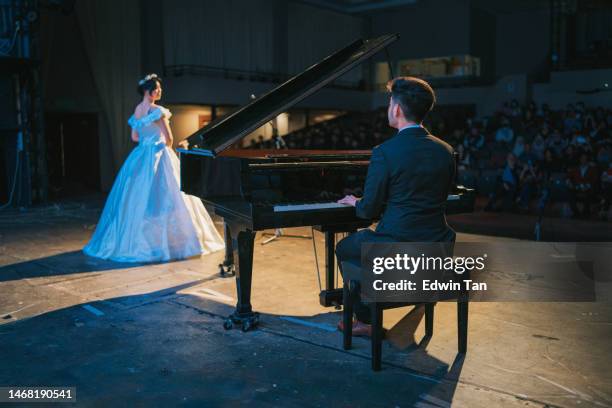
(146, 217)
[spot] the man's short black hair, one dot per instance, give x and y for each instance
(414, 96)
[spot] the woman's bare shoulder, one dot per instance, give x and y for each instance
(139, 111)
(165, 112)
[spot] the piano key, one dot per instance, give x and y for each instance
(310, 206)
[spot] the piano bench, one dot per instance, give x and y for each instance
(351, 289)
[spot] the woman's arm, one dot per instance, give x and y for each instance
(134, 136)
(165, 127)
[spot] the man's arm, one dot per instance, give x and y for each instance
(375, 190)
(452, 181)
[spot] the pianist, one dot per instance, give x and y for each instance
(408, 181)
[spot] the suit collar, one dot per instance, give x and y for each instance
(414, 131)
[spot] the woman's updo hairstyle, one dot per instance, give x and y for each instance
(148, 83)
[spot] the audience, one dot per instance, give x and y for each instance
(535, 151)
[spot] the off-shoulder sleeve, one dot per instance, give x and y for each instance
(133, 122)
(165, 112)
(146, 120)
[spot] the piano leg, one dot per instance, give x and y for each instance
(227, 267)
(330, 259)
(243, 252)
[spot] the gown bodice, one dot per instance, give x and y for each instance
(149, 133)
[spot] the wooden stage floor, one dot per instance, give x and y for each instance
(151, 335)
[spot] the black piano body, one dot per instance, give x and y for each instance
(262, 187)
(255, 190)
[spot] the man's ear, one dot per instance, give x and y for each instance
(397, 111)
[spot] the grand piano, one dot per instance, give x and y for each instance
(255, 190)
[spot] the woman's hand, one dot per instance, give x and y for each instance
(184, 144)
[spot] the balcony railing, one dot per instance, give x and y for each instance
(243, 75)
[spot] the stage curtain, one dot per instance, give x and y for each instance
(310, 42)
(111, 35)
(227, 34)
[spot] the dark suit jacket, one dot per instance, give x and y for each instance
(408, 181)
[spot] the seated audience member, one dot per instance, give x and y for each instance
(515, 109)
(578, 139)
(529, 179)
(550, 164)
(598, 133)
(456, 137)
(519, 146)
(528, 155)
(538, 146)
(504, 134)
(464, 159)
(528, 120)
(589, 121)
(606, 192)
(475, 140)
(556, 142)
(570, 157)
(506, 109)
(582, 182)
(569, 119)
(604, 156)
(505, 190)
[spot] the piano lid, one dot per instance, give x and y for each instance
(219, 135)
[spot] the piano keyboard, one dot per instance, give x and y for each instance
(306, 207)
(323, 206)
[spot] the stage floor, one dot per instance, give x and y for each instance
(152, 335)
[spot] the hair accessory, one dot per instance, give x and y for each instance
(147, 78)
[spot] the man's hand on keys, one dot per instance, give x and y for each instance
(349, 200)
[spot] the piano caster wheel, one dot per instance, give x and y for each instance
(250, 323)
(246, 323)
